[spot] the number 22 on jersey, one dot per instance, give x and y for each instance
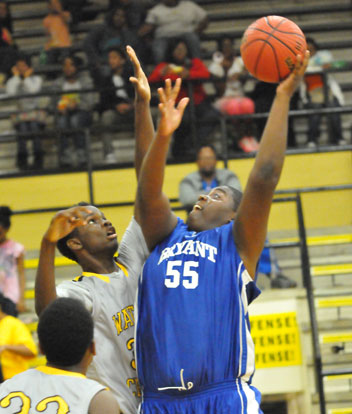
(62, 407)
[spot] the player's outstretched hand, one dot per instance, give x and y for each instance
(290, 84)
(171, 115)
(139, 80)
(67, 220)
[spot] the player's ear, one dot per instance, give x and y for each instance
(74, 244)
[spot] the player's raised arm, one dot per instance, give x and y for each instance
(63, 223)
(250, 226)
(157, 219)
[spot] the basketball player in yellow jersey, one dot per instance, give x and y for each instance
(107, 286)
(65, 332)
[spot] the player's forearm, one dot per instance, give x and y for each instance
(271, 154)
(45, 289)
(144, 131)
(153, 170)
(20, 350)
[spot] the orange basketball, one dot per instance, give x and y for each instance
(269, 48)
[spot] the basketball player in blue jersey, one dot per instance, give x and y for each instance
(195, 353)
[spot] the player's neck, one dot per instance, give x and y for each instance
(101, 265)
(78, 368)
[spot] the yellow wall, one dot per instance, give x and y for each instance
(322, 209)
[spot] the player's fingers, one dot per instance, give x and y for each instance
(162, 96)
(132, 55)
(161, 107)
(182, 105)
(133, 80)
(176, 88)
(168, 87)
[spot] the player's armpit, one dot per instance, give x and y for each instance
(104, 402)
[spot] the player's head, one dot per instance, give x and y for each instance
(65, 333)
(5, 222)
(215, 209)
(312, 46)
(206, 160)
(95, 239)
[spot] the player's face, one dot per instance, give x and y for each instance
(212, 210)
(98, 235)
(3, 233)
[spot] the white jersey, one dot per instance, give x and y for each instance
(49, 390)
(110, 298)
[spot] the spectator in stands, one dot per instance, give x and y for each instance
(114, 32)
(12, 276)
(134, 10)
(200, 113)
(208, 177)
(30, 118)
(16, 344)
(5, 16)
(231, 74)
(56, 25)
(116, 99)
(172, 19)
(8, 51)
(312, 95)
(74, 111)
(78, 10)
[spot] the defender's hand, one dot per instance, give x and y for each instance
(171, 115)
(66, 221)
(139, 80)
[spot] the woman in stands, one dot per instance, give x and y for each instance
(12, 277)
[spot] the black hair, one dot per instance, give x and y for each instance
(211, 146)
(22, 57)
(5, 214)
(172, 46)
(313, 42)
(236, 197)
(118, 50)
(62, 243)
(77, 61)
(111, 13)
(7, 306)
(65, 331)
(222, 38)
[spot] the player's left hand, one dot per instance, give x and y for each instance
(171, 115)
(139, 80)
(291, 83)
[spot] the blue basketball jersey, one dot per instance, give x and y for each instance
(193, 330)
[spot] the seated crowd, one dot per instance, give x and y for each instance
(94, 85)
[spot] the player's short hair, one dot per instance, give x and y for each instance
(65, 331)
(5, 214)
(236, 197)
(62, 243)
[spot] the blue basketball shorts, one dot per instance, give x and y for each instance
(232, 397)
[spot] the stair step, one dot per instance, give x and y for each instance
(333, 302)
(334, 337)
(347, 410)
(319, 240)
(338, 377)
(331, 269)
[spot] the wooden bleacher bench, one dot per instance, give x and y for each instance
(333, 302)
(347, 410)
(335, 337)
(40, 14)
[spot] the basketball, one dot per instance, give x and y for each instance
(269, 48)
